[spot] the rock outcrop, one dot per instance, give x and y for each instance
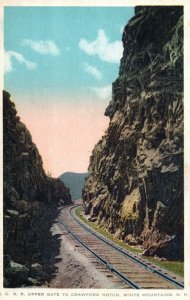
(31, 201)
(135, 189)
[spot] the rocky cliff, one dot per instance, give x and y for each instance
(136, 185)
(30, 204)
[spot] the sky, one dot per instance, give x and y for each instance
(59, 65)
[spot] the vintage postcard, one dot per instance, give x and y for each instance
(95, 149)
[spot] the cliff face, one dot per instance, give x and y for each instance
(136, 185)
(30, 201)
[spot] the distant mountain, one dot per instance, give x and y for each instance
(75, 182)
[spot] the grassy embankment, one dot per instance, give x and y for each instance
(176, 267)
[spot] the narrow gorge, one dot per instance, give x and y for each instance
(31, 201)
(135, 186)
(119, 224)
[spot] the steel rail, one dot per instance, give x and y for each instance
(103, 261)
(144, 265)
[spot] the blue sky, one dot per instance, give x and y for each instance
(69, 66)
(60, 63)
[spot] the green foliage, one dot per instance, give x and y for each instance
(78, 212)
(176, 267)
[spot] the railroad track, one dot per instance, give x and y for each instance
(131, 271)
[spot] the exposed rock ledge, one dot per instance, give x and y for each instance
(30, 205)
(135, 189)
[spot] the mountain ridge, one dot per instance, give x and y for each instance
(75, 182)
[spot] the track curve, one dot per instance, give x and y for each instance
(127, 267)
